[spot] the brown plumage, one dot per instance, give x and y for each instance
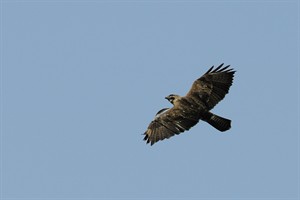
(205, 93)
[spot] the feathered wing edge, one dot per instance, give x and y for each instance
(160, 129)
(218, 69)
(221, 80)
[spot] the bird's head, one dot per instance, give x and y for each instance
(172, 98)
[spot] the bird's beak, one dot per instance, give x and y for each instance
(167, 98)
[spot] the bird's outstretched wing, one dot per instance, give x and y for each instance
(167, 123)
(212, 87)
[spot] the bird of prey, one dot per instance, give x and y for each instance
(206, 92)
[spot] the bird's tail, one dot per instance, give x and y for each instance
(220, 123)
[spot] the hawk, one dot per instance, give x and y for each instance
(206, 92)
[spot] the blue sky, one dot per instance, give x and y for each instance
(81, 81)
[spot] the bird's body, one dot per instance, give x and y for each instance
(186, 112)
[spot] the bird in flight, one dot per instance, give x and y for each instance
(206, 92)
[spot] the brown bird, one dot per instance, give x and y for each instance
(205, 93)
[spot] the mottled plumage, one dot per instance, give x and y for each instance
(205, 93)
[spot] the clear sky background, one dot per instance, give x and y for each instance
(81, 81)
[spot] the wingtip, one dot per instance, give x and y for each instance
(146, 136)
(220, 69)
(209, 70)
